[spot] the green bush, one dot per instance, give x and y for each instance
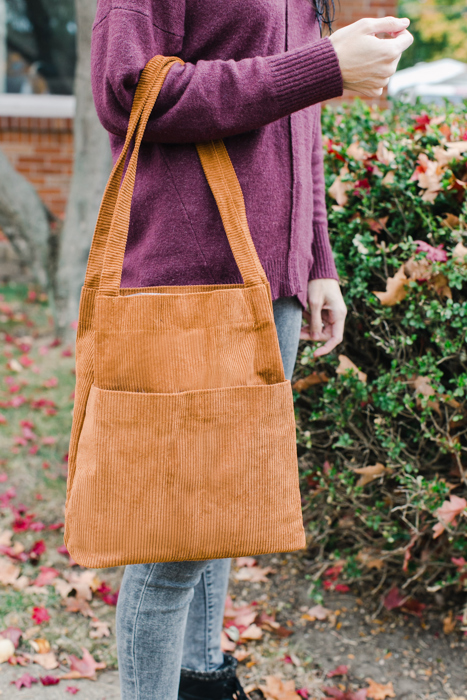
(382, 454)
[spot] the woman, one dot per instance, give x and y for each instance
(255, 73)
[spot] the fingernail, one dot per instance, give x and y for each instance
(405, 20)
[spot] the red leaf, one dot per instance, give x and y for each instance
(422, 122)
(434, 254)
(342, 588)
(72, 689)
(49, 680)
(303, 692)
(85, 667)
(25, 681)
(459, 562)
(56, 526)
(40, 615)
(47, 575)
(37, 550)
(339, 671)
(394, 599)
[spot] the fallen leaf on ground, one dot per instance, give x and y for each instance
(72, 690)
(376, 691)
(227, 645)
(8, 572)
(253, 632)
(14, 634)
(245, 561)
(313, 379)
(100, 629)
(449, 623)
(25, 681)
(459, 253)
(318, 612)
(277, 689)
(370, 473)
(47, 575)
(40, 615)
(254, 574)
(78, 605)
(346, 364)
(84, 583)
(83, 668)
(49, 680)
(339, 671)
(40, 646)
(448, 513)
(47, 661)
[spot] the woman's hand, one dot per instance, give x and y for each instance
(367, 62)
(327, 317)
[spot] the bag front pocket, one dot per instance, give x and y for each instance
(194, 475)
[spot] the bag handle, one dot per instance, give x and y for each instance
(220, 174)
(161, 65)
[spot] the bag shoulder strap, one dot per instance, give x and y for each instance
(108, 248)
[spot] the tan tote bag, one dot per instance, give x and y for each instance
(183, 438)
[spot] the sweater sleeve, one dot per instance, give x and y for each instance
(206, 99)
(323, 261)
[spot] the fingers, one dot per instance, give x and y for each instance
(385, 25)
(337, 336)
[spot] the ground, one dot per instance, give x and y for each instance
(286, 642)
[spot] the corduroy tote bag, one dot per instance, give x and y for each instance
(183, 438)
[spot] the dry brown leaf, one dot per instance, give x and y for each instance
(339, 189)
(389, 178)
(318, 612)
(312, 379)
(5, 538)
(357, 152)
(370, 473)
(40, 646)
(62, 587)
(449, 623)
(8, 572)
(459, 253)
(227, 645)
(80, 605)
(83, 668)
(84, 583)
(277, 689)
(241, 655)
(422, 385)
(346, 364)
(47, 661)
(451, 220)
(396, 289)
(384, 155)
(455, 151)
(422, 270)
(100, 629)
(21, 583)
(367, 558)
(254, 574)
(376, 691)
(253, 632)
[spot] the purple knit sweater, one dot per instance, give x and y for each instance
(255, 73)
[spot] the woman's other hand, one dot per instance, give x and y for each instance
(366, 61)
(327, 315)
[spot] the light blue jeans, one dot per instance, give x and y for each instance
(170, 615)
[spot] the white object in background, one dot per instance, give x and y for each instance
(3, 50)
(435, 79)
(42, 106)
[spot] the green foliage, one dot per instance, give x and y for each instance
(410, 415)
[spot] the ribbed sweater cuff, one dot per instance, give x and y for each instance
(323, 266)
(307, 75)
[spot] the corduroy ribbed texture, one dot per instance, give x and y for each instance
(183, 438)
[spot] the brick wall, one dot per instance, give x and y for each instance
(42, 151)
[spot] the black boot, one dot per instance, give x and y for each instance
(222, 684)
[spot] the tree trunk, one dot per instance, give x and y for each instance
(3, 46)
(91, 172)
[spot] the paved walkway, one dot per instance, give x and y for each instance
(105, 688)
